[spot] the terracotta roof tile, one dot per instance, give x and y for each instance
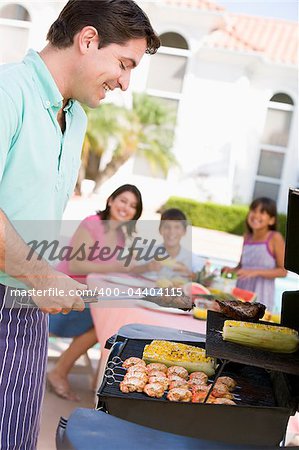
(276, 40)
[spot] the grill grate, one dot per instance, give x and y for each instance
(217, 347)
(254, 384)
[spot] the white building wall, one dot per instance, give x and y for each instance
(221, 115)
(43, 15)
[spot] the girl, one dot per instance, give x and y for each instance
(262, 258)
(107, 228)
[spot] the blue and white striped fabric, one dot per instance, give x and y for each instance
(23, 352)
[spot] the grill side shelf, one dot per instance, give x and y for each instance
(217, 347)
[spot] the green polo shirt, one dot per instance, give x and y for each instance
(38, 163)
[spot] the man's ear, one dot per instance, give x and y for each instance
(87, 37)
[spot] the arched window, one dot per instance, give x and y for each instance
(174, 40)
(167, 69)
(165, 80)
(14, 11)
(274, 146)
(15, 24)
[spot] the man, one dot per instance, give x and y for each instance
(93, 46)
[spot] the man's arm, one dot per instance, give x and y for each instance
(36, 274)
(9, 125)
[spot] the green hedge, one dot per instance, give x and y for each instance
(230, 219)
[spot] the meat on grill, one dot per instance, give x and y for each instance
(181, 301)
(133, 362)
(235, 309)
(221, 391)
(154, 389)
(132, 384)
(162, 380)
(181, 387)
(179, 395)
(177, 382)
(156, 366)
(138, 368)
(196, 382)
(199, 397)
(140, 375)
(228, 381)
(200, 377)
(179, 371)
(157, 373)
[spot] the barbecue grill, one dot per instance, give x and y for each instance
(268, 384)
(265, 403)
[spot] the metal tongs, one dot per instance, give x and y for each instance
(27, 301)
(90, 298)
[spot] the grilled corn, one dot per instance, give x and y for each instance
(266, 337)
(172, 353)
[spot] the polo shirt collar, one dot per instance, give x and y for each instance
(47, 87)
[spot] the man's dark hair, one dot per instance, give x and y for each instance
(116, 21)
(174, 214)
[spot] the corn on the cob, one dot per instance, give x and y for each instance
(266, 337)
(172, 353)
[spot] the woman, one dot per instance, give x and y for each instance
(108, 228)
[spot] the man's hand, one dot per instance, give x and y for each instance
(60, 294)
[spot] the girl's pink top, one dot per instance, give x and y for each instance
(95, 227)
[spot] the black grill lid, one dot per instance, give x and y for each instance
(89, 429)
(142, 331)
(292, 236)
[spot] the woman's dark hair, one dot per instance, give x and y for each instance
(131, 225)
(116, 21)
(266, 205)
(174, 214)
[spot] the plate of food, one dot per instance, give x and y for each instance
(129, 281)
(150, 276)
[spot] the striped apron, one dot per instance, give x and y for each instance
(23, 356)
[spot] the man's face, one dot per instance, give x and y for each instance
(106, 69)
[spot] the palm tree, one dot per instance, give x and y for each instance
(101, 127)
(147, 130)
